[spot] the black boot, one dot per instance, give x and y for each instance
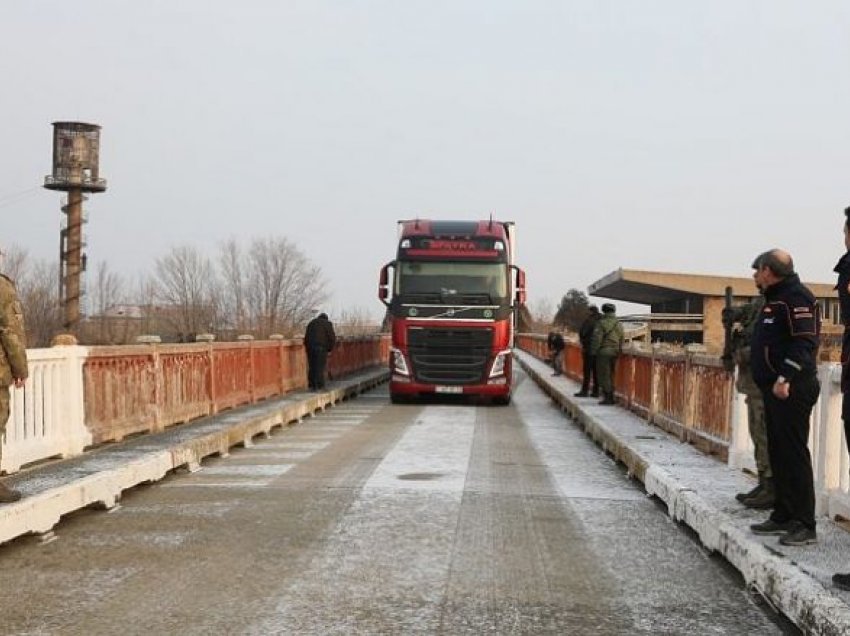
(608, 399)
(746, 495)
(763, 499)
(7, 495)
(841, 581)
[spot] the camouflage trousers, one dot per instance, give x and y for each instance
(605, 365)
(758, 433)
(4, 414)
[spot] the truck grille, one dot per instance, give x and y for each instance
(449, 356)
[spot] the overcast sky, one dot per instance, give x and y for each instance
(662, 135)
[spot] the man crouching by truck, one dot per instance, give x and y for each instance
(319, 340)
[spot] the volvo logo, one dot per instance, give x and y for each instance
(412, 311)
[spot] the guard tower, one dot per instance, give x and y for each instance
(76, 151)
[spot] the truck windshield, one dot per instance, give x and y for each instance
(469, 283)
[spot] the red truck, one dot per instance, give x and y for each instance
(451, 307)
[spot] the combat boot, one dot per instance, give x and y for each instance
(841, 581)
(763, 499)
(746, 495)
(7, 495)
(608, 399)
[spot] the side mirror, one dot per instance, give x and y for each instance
(383, 282)
(519, 296)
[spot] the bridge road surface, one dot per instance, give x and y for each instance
(372, 518)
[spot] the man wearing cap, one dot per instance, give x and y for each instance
(606, 345)
(319, 340)
(585, 336)
(783, 360)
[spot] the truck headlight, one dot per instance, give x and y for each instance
(398, 363)
(499, 362)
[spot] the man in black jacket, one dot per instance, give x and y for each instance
(585, 336)
(842, 581)
(319, 340)
(784, 365)
(556, 344)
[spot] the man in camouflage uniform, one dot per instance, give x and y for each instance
(762, 496)
(606, 344)
(13, 360)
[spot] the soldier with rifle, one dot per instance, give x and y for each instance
(738, 323)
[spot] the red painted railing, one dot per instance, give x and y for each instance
(145, 388)
(686, 393)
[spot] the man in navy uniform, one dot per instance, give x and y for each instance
(783, 360)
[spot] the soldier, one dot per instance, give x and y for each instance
(13, 360)
(585, 335)
(606, 345)
(762, 496)
(783, 360)
(319, 340)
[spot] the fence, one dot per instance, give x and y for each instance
(77, 397)
(691, 395)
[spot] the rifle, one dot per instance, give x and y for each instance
(728, 337)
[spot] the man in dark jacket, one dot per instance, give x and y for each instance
(842, 581)
(585, 336)
(555, 343)
(783, 361)
(319, 340)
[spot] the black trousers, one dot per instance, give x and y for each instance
(845, 383)
(558, 360)
(317, 359)
(787, 444)
(588, 372)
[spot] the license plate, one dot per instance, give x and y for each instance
(448, 389)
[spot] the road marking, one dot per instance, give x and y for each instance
(252, 470)
(295, 445)
(438, 444)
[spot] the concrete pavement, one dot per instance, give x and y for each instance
(98, 477)
(699, 491)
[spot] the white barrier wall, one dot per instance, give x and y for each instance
(830, 460)
(47, 416)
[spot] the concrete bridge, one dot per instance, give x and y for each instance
(93, 423)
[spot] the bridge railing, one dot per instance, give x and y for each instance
(691, 395)
(77, 397)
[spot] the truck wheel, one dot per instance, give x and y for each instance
(502, 400)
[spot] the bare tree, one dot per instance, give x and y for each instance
(184, 284)
(232, 294)
(145, 298)
(108, 315)
(541, 314)
(282, 286)
(356, 322)
(37, 283)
